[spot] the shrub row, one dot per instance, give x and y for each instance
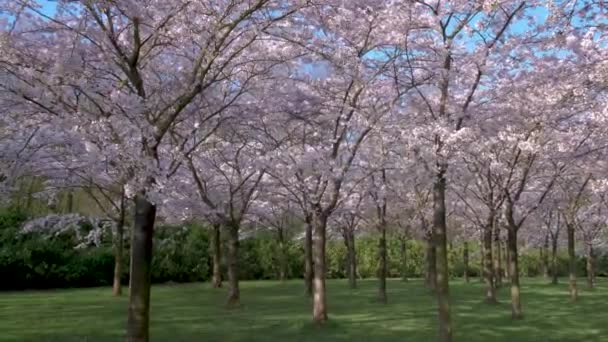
(182, 255)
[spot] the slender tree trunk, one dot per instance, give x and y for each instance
(431, 263)
(308, 262)
(382, 266)
(141, 260)
(439, 236)
(216, 250)
(508, 260)
(554, 261)
(282, 256)
(488, 268)
(319, 311)
(351, 258)
(70, 203)
(572, 263)
(30, 197)
(465, 259)
(590, 267)
(516, 311)
(483, 260)
(545, 257)
(497, 257)
(403, 246)
(118, 250)
(234, 293)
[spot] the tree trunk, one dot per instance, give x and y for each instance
(282, 256)
(216, 250)
(403, 241)
(439, 236)
(545, 257)
(431, 263)
(497, 257)
(590, 267)
(483, 260)
(382, 265)
(572, 263)
(488, 267)
(141, 260)
(118, 250)
(70, 203)
(465, 259)
(516, 311)
(308, 262)
(554, 260)
(351, 258)
(319, 311)
(234, 293)
(508, 258)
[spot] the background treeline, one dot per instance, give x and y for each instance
(34, 260)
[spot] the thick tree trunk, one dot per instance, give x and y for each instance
(431, 263)
(216, 250)
(282, 256)
(516, 311)
(308, 262)
(382, 264)
(554, 261)
(403, 246)
(488, 267)
(465, 260)
(590, 267)
(497, 257)
(234, 293)
(141, 260)
(319, 311)
(440, 238)
(572, 263)
(118, 250)
(351, 258)
(545, 257)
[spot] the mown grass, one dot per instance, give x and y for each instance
(273, 311)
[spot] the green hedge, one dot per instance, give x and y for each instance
(181, 254)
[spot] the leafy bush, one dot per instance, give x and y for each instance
(181, 254)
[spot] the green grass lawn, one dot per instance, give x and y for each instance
(279, 312)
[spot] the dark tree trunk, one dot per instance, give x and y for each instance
(554, 260)
(590, 267)
(488, 268)
(216, 250)
(118, 250)
(308, 262)
(403, 246)
(382, 264)
(465, 260)
(545, 257)
(439, 236)
(351, 258)
(141, 260)
(234, 293)
(497, 257)
(282, 256)
(572, 263)
(431, 263)
(319, 311)
(516, 311)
